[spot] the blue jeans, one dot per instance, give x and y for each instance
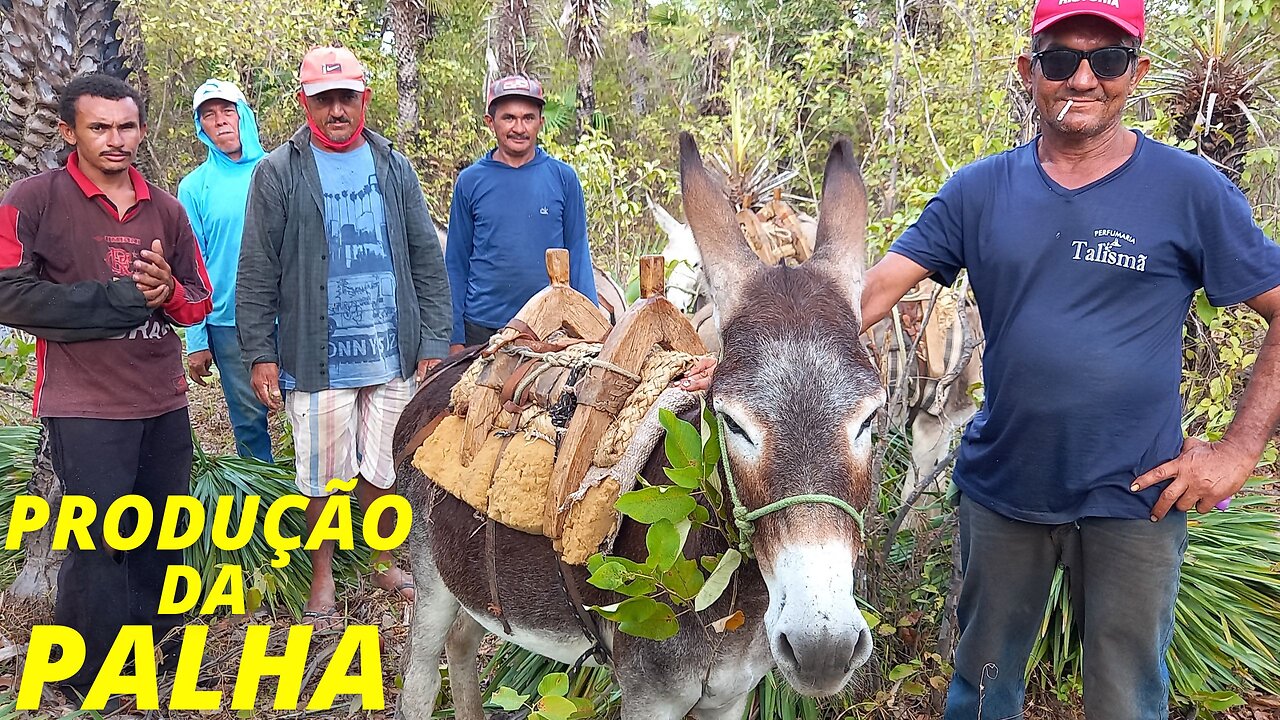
(248, 416)
(1123, 578)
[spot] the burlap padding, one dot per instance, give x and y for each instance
(512, 494)
(521, 484)
(592, 521)
(438, 460)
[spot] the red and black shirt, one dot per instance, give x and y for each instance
(66, 264)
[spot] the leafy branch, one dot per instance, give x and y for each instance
(668, 584)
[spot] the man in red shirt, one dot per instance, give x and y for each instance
(97, 263)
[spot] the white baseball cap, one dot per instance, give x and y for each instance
(217, 90)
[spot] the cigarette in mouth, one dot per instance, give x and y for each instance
(1065, 109)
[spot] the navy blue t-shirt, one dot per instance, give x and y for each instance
(1083, 294)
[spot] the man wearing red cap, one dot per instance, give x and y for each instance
(1085, 248)
(339, 249)
(509, 207)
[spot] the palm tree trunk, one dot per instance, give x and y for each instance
(408, 20)
(586, 92)
(512, 36)
(639, 52)
(43, 45)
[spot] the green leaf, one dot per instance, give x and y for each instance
(640, 585)
(701, 515)
(711, 448)
(556, 684)
(913, 688)
(684, 580)
(662, 625)
(663, 541)
(555, 707)
(715, 585)
(609, 576)
(636, 609)
(585, 708)
(652, 504)
(1219, 701)
(683, 444)
(686, 477)
(1204, 309)
(901, 671)
(508, 699)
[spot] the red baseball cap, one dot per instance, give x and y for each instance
(515, 86)
(1128, 15)
(330, 68)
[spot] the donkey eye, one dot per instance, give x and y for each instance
(866, 425)
(735, 428)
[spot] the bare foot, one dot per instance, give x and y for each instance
(395, 580)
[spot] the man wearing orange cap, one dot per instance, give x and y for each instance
(339, 249)
(1085, 248)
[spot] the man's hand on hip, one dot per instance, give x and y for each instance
(266, 385)
(1203, 475)
(424, 367)
(198, 364)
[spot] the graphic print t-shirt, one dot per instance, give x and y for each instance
(363, 347)
(1083, 293)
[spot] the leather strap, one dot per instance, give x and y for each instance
(419, 437)
(491, 566)
(491, 538)
(586, 622)
(513, 380)
(425, 431)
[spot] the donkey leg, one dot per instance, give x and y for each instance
(462, 649)
(930, 440)
(434, 611)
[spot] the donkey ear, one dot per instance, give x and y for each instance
(841, 244)
(726, 259)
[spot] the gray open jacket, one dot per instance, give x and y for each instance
(284, 264)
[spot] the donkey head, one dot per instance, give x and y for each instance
(797, 392)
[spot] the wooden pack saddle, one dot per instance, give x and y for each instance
(554, 394)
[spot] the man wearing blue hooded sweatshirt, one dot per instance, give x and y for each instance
(214, 195)
(509, 207)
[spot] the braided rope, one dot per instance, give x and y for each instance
(660, 368)
(744, 520)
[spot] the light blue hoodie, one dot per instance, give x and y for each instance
(215, 194)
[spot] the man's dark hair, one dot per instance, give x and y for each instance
(98, 85)
(493, 106)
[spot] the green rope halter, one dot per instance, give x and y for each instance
(744, 520)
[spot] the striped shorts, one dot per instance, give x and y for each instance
(342, 433)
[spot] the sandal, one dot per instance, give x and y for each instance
(325, 622)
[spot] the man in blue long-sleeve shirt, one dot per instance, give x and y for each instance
(509, 208)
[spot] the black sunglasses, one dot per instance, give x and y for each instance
(1107, 63)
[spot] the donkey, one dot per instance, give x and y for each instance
(796, 392)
